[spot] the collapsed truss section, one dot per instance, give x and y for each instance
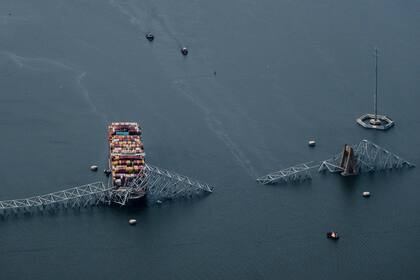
(85, 195)
(297, 173)
(160, 185)
(368, 156)
(372, 157)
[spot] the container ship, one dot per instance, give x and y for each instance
(126, 157)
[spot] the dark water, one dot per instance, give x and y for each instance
(286, 71)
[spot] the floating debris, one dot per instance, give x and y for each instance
(94, 168)
(184, 50)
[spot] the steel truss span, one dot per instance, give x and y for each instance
(369, 157)
(74, 197)
(297, 173)
(161, 185)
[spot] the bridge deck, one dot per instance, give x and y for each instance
(300, 172)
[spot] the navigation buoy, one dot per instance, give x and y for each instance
(150, 37)
(94, 168)
(311, 143)
(184, 51)
(132, 221)
(366, 194)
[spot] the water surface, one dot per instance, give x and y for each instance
(286, 71)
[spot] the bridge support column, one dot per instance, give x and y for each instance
(348, 161)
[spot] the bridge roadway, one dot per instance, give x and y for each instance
(161, 185)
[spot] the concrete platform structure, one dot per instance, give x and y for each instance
(375, 121)
(379, 122)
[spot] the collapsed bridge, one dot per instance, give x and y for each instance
(160, 185)
(130, 179)
(354, 159)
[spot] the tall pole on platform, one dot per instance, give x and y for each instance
(376, 85)
(375, 121)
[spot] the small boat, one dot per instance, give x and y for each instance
(150, 37)
(107, 172)
(332, 235)
(94, 168)
(184, 51)
(311, 143)
(132, 221)
(366, 194)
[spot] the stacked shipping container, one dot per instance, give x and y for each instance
(126, 152)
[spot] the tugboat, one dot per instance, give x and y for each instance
(332, 235)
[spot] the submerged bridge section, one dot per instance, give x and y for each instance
(77, 196)
(297, 173)
(161, 185)
(369, 158)
(363, 157)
